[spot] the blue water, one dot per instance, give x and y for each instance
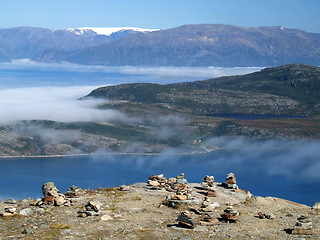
(21, 178)
(290, 172)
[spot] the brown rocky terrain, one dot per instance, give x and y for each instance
(150, 211)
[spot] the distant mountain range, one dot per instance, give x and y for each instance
(28, 42)
(188, 45)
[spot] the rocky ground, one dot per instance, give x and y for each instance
(150, 211)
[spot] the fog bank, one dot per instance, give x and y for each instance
(52, 103)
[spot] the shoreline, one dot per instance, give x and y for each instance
(97, 154)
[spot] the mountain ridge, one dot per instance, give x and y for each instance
(202, 45)
(292, 89)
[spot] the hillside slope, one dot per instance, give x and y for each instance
(286, 90)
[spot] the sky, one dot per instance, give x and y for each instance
(159, 14)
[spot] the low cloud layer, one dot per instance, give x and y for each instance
(52, 103)
(293, 160)
(160, 72)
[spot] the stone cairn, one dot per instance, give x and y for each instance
(9, 210)
(302, 227)
(185, 220)
(231, 182)
(52, 196)
(208, 206)
(91, 209)
(230, 214)
(73, 192)
(176, 185)
(209, 185)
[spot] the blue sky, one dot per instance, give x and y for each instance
(163, 14)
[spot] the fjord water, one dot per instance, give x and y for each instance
(21, 178)
(291, 174)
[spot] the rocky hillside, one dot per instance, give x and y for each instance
(286, 90)
(201, 45)
(160, 209)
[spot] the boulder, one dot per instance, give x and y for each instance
(26, 212)
(47, 187)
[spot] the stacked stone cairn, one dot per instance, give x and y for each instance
(8, 212)
(73, 192)
(177, 185)
(208, 206)
(231, 182)
(185, 220)
(52, 196)
(230, 214)
(91, 209)
(209, 185)
(303, 227)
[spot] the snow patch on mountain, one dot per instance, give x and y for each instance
(107, 30)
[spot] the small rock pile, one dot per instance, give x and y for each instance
(231, 181)
(73, 192)
(266, 215)
(52, 196)
(316, 206)
(208, 206)
(177, 185)
(92, 209)
(230, 214)
(9, 211)
(208, 184)
(185, 220)
(303, 227)
(209, 221)
(124, 188)
(157, 181)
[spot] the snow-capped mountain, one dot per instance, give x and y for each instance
(28, 42)
(107, 31)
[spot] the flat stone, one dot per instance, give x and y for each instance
(10, 201)
(8, 214)
(153, 183)
(301, 231)
(179, 197)
(59, 201)
(306, 225)
(10, 210)
(106, 217)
